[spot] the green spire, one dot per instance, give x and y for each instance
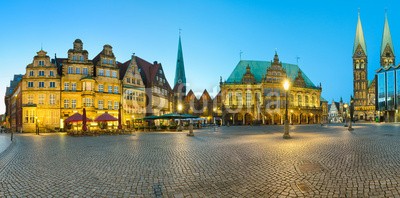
(180, 66)
(359, 40)
(386, 38)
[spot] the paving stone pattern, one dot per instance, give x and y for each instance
(245, 161)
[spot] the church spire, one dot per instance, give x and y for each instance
(359, 40)
(386, 38)
(180, 66)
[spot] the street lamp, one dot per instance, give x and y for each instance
(286, 86)
(37, 125)
(351, 113)
(180, 121)
(345, 115)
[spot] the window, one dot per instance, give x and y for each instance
(248, 99)
(306, 101)
(101, 88)
(73, 103)
(101, 72)
(110, 104)
(70, 70)
(101, 104)
(109, 89)
(87, 102)
(52, 99)
(73, 86)
(108, 73)
(230, 98)
(239, 99)
(31, 73)
(128, 80)
(41, 99)
(160, 71)
(66, 104)
(116, 89)
(74, 58)
(41, 73)
(87, 86)
(41, 63)
(85, 71)
(104, 61)
(114, 74)
(81, 58)
(116, 105)
(299, 100)
(111, 62)
(51, 73)
(52, 84)
(138, 82)
(66, 86)
(78, 70)
(30, 84)
(30, 99)
(41, 84)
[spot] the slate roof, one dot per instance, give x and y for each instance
(259, 69)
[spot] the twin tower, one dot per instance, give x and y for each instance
(364, 90)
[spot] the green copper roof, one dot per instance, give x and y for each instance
(180, 66)
(259, 69)
(359, 40)
(322, 99)
(386, 38)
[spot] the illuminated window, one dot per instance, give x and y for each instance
(101, 104)
(52, 99)
(66, 104)
(73, 103)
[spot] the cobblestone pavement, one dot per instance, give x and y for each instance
(319, 161)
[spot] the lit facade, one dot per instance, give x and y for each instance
(254, 93)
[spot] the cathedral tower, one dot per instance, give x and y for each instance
(179, 89)
(360, 73)
(387, 50)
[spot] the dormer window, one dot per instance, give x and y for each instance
(31, 73)
(104, 61)
(81, 58)
(41, 63)
(111, 62)
(74, 58)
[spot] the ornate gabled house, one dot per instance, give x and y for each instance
(40, 95)
(75, 71)
(191, 103)
(158, 90)
(133, 92)
(387, 80)
(254, 93)
(106, 85)
(364, 107)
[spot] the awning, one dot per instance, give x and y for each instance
(77, 117)
(105, 117)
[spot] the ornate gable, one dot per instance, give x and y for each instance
(248, 77)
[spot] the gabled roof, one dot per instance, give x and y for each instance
(123, 67)
(359, 39)
(148, 72)
(259, 68)
(205, 95)
(190, 95)
(386, 38)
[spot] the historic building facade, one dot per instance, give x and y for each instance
(254, 93)
(52, 90)
(133, 92)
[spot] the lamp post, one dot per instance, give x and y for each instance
(37, 126)
(179, 128)
(345, 115)
(351, 113)
(286, 132)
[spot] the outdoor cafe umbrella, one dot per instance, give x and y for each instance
(105, 117)
(84, 127)
(152, 117)
(76, 117)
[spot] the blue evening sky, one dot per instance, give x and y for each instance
(320, 32)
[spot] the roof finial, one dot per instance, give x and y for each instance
(240, 54)
(41, 46)
(297, 60)
(358, 12)
(276, 51)
(180, 32)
